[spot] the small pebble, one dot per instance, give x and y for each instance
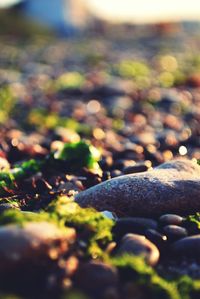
(135, 225)
(139, 245)
(157, 238)
(169, 219)
(174, 232)
(115, 173)
(139, 167)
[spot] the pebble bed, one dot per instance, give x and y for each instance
(136, 99)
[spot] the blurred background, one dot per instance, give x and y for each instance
(66, 15)
(121, 73)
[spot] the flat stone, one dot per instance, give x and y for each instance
(172, 187)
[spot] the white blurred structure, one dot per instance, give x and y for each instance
(146, 11)
(68, 15)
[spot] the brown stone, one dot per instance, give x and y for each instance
(139, 245)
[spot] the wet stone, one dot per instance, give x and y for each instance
(169, 219)
(189, 247)
(139, 167)
(135, 225)
(123, 163)
(159, 239)
(139, 245)
(115, 173)
(95, 277)
(174, 232)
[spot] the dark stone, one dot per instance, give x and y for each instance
(189, 246)
(139, 167)
(115, 173)
(169, 219)
(157, 238)
(135, 225)
(95, 277)
(174, 232)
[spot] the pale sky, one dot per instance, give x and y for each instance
(140, 11)
(146, 10)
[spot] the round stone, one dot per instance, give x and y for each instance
(169, 219)
(95, 276)
(174, 232)
(157, 238)
(189, 246)
(139, 245)
(134, 225)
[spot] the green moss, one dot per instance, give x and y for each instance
(42, 118)
(20, 218)
(7, 103)
(144, 278)
(70, 80)
(79, 154)
(92, 225)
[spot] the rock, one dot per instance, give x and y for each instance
(135, 225)
(174, 232)
(139, 167)
(32, 243)
(95, 277)
(8, 206)
(189, 246)
(173, 187)
(157, 238)
(139, 245)
(169, 219)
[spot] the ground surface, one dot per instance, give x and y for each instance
(77, 112)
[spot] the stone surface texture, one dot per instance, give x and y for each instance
(172, 187)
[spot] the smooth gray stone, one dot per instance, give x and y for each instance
(172, 187)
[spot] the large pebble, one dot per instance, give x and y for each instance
(34, 241)
(139, 245)
(189, 246)
(173, 187)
